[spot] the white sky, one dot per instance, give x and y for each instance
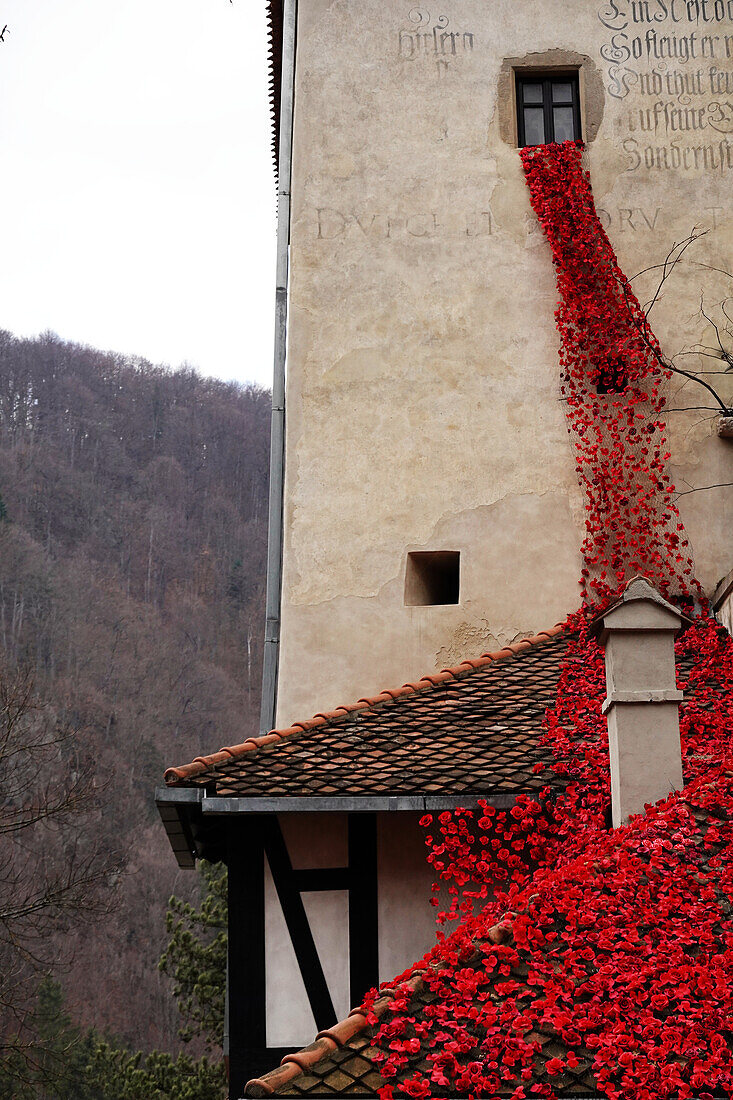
(137, 194)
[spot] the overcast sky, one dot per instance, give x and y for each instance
(136, 188)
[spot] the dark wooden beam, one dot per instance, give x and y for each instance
(299, 928)
(363, 906)
(322, 878)
(247, 1010)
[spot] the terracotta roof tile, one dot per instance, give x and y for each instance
(404, 740)
(338, 1063)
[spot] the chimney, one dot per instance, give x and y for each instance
(642, 700)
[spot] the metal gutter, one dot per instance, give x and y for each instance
(195, 820)
(217, 805)
(348, 803)
(277, 427)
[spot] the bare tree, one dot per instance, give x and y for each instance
(720, 334)
(53, 872)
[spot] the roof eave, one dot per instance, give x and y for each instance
(193, 818)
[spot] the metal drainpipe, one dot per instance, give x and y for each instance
(277, 429)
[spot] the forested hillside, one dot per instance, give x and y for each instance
(132, 561)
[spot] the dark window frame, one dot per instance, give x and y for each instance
(546, 78)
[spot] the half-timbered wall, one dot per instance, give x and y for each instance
(405, 925)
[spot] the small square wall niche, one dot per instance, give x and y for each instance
(432, 577)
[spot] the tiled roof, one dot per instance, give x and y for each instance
(340, 1060)
(469, 730)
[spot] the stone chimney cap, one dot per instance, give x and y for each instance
(638, 589)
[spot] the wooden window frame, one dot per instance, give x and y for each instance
(547, 79)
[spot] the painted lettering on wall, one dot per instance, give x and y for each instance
(430, 38)
(642, 219)
(671, 63)
(330, 224)
(630, 218)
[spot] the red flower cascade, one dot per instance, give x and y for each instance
(614, 387)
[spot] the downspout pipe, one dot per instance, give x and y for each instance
(277, 423)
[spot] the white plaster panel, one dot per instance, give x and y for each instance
(289, 1020)
(407, 927)
(328, 913)
(315, 840)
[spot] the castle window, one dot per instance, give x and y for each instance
(548, 108)
(432, 577)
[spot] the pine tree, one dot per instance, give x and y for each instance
(196, 961)
(65, 1063)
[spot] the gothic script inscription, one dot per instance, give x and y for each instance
(430, 38)
(671, 63)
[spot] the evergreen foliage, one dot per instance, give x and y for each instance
(63, 1062)
(196, 958)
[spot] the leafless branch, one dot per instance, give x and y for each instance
(643, 328)
(701, 488)
(672, 258)
(53, 871)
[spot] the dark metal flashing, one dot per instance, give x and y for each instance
(195, 820)
(178, 827)
(274, 71)
(341, 803)
(192, 836)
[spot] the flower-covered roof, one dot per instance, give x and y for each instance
(603, 963)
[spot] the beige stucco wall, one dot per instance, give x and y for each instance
(422, 391)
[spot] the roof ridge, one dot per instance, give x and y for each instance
(200, 764)
(332, 1038)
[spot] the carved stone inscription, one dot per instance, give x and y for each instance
(671, 63)
(430, 38)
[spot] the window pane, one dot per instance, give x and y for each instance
(534, 126)
(532, 93)
(563, 123)
(562, 93)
